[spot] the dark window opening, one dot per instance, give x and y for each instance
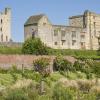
(63, 42)
(55, 43)
(2, 37)
(6, 38)
(44, 24)
(1, 21)
(73, 42)
(1, 29)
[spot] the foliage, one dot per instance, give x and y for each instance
(62, 93)
(34, 46)
(16, 94)
(96, 68)
(62, 64)
(41, 65)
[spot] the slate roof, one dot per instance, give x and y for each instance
(33, 20)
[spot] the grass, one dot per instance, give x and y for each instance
(7, 79)
(80, 54)
(10, 50)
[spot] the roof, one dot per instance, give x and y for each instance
(33, 20)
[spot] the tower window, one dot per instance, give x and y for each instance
(1, 29)
(1, 21)
(6, 38)
(2, 37)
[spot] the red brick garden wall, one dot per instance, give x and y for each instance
(7, 61)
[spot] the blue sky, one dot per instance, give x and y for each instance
(58, 11)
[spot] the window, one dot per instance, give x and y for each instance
(63, 33)
(2, 37)
(55, 32)
(6, 38)
(44, 24)
(73, 42)
(1, 21)
(55, 43)
(73, 34)
(83, 45)
(63, 42)
(33, 34)
(1, 29)
(82, 36)
(94, 24)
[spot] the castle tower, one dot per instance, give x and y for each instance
(5, 25)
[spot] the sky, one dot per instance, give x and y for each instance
(58, 11)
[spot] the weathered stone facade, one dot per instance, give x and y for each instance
(5, 25)
(83, 31)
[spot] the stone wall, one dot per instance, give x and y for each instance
(6, 61)
(5, 25)
(11, 44)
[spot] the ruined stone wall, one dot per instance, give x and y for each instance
(76, 21)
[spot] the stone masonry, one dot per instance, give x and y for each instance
(83, 31)
(5, 25)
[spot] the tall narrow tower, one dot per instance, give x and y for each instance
(5, 25)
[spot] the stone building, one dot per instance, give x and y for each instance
(5, 25)
(83, 31)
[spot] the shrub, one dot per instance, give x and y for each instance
(34, 46)
(41, 65)
(85, 85)
(62, 64)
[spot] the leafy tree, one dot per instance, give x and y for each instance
(34, 46)
(41, 65)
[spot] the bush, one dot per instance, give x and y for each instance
(41, 65)
(61, 64)
(34, 46)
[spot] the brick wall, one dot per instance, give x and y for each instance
(6, 61)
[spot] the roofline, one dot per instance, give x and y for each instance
(73, 27)
(60, 25)
(25, 25)
(78, 16)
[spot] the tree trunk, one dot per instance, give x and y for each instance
(42, 87)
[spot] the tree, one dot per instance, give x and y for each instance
(34, 46)
(41, 65)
